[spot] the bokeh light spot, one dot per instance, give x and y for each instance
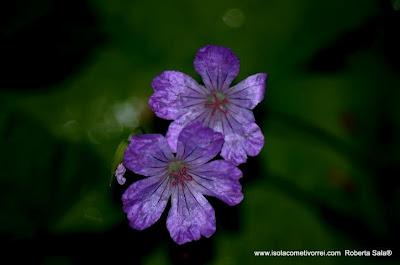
(234, 18)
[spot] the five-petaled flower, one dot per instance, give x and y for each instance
(223, 108)
(185, 177)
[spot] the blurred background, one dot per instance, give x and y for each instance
(75, 81)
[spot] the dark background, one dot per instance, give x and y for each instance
(74, 82)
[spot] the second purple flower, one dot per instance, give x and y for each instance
(184, 177)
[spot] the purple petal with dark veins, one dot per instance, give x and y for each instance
(220, 179)
(217, 65)
(198, 144)
(233, 150)
(237, 146)
(190, 216)
(147, 154)
(177, 125)
(145, 200)
(173, 92)
(249, 92)
(254, 139)
(242, 115)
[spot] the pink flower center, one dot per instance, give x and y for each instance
(217, 101)
(178, 172)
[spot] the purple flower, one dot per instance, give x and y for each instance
(223, 108)
(185, 177)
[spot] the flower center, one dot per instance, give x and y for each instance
(178, 172)
(217, 101)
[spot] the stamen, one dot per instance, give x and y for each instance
(178, 172)
(217, 101)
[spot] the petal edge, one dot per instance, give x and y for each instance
(217, 65)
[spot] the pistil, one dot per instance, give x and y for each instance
(217, 101)
(178, 172)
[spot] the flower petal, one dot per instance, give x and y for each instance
(242, 115)
(249, 92)
(145, 200)
(233, 150)
(177, 125)
(254, 139)
(190, 216)
(220, 179)
(119, 174)
(237, 146)
(217, 65)
(230, 122)
(173, 92)
(198, 144)
(147, 154)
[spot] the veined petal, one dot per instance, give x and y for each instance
(237, 146)
(233, 150)
(198, 144)
(249, 92)
(147, 154)
(145, 200)
(174, 91)
(190, 216)
(175, 128)
(225, 122)
(217, 65)
(232, 122)
(253, 139)
(220, 179)
(242, 115)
